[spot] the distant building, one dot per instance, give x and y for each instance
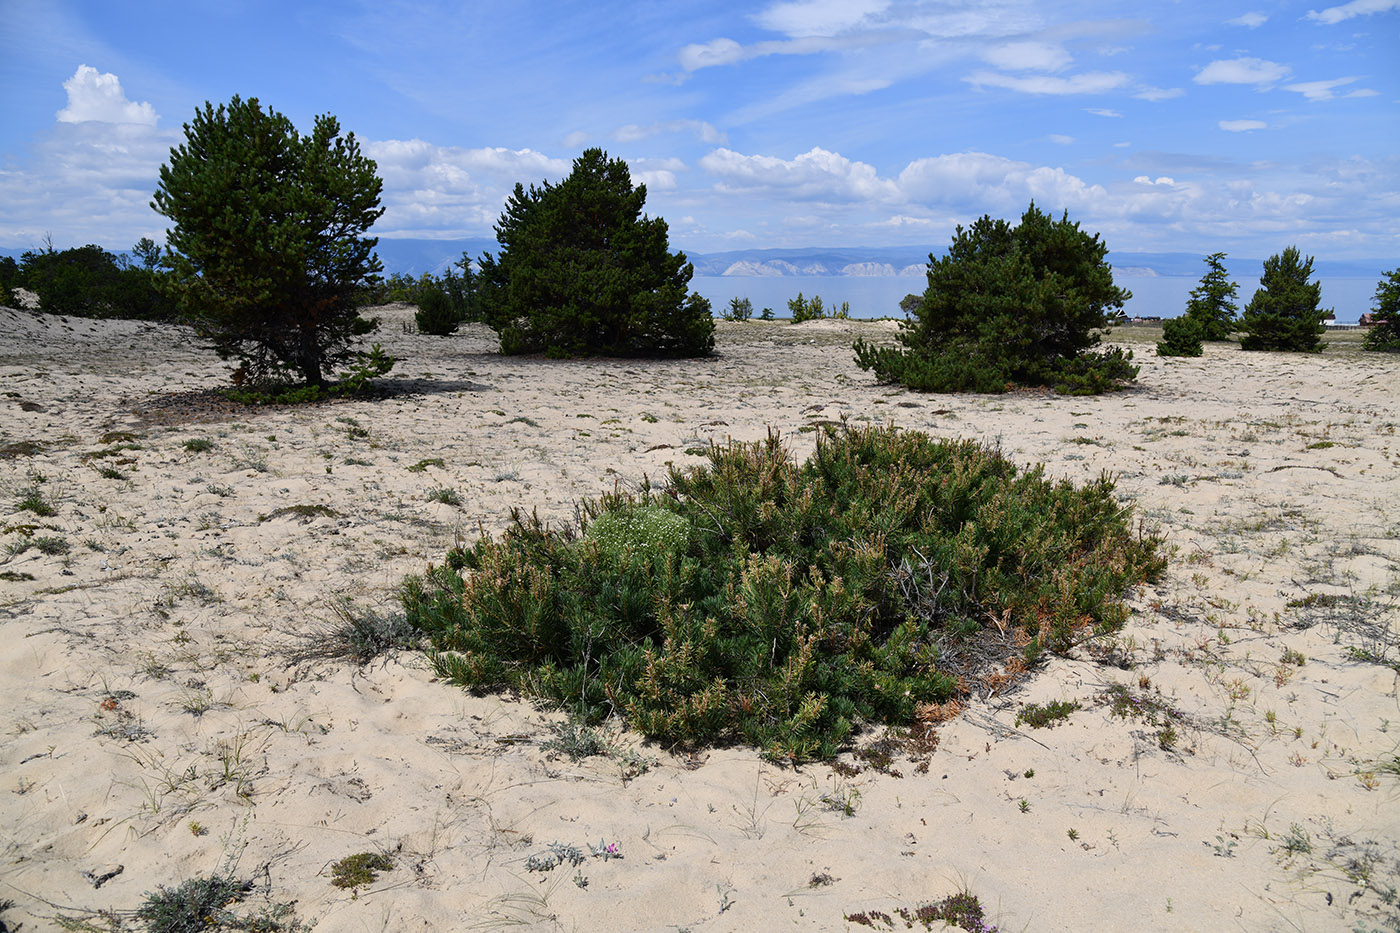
(1368, 320)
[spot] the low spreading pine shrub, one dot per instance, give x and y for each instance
(758, 600)
(1181, 336)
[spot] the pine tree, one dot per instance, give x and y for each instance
(267, 248)
(1384, 334)
(1284, 312)
(1212, 303)
(582, 271)
(1006, 305)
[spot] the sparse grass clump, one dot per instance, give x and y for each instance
(778, 604)
(445, 494)
(32, 500)
(1041, 717)
(355, 634)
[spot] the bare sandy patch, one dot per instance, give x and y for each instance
(1232, 761)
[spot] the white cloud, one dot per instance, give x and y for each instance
(98, 98)
(1256, 71)
(656, 180)
(716, 52)
(1322, 90)
(817, 175)
(446, 190)
(1094, 82)
(1028, 56)
(88, 182)
(1061, 139)
(1336, 14)
(1242, 126)
(1158, 93)
(702, 131)
(818, 17)
(1102, 112)
(1253, 20)
(989, 182)
(709, 54)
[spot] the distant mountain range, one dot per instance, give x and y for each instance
(416, 256)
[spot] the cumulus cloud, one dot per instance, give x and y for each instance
(94, 97)
(1242, 126)
(987, 181)
(1336, 14)
(1322, 90)
(1028, 56)
(816, 175)
(437, 190)
(1252, 20)
(1093, 82)
(1256, 71)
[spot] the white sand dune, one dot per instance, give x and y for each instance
(152, 727)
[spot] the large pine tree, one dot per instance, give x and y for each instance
(1284, 313)
(268, 246)
(1022, 305)
(582, 271)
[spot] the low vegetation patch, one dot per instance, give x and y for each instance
(961, 911)
(1041, 717)
(360, 869)
(758, 600)
(306, 513)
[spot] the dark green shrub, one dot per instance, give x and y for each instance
(1181, 336)
(1384, 334)
(758, 600)
(10, 280)
(583, 272)
(1211, 306)
(435, 314)
(740, 309)
(1011, 306)
(801, 309)
(1284, 313)
(88, 281)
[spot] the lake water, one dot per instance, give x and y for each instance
(878, 296)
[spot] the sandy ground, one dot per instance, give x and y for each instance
(153, 728)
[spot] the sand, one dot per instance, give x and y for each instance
(155, 728)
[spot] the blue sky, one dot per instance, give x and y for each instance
(1242, 125)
